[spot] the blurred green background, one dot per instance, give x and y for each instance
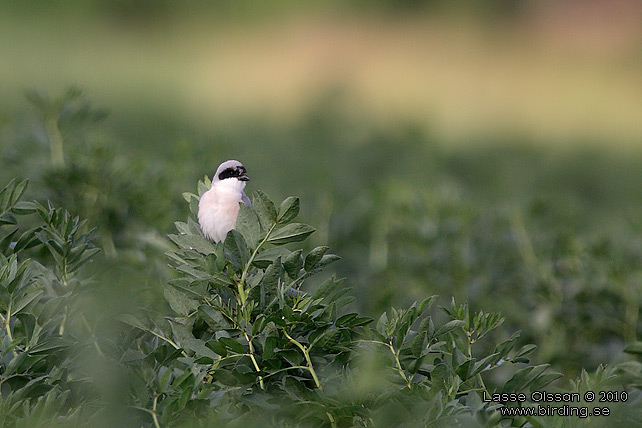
(488, 151)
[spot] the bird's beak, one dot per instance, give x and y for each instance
(244, 177)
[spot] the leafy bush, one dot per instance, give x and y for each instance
(37, 302)
(530, 234)
(244, 344)
(249, 332)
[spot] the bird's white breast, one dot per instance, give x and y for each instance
(219, 207)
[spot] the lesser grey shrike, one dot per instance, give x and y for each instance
(219, 206)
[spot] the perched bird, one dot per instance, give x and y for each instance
(219, 206)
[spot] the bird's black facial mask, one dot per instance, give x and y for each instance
(238, 172)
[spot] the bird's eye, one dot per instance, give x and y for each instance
(229, 172)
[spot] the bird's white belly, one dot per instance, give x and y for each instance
(217, 212)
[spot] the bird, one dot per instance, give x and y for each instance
(219, 206)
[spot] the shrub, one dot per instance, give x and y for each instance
(246, 346)
(245, 343)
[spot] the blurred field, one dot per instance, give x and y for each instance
(490, 154)
(545, 73)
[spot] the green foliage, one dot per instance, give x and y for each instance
(71, 164)
(246, 340)
(245, 343)
(36, 300)
(249, 332)
(543, 262)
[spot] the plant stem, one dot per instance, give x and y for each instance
(7, 327)
(469, 334)
(333, 423)
(170, 341)
(154, 415)
(61, 329)
(241, 283)
(398, 364)
(395, 355)
(256, 365)
(284, 370)
(84, 320)
(306, 354)
(5, 321)
(56, 142)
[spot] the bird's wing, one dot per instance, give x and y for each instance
(246, 200)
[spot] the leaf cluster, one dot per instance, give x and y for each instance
(246, 337)
(36, 302)
(248, 340)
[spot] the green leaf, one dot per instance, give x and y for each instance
(29, 323)
(294, 232)
(24, 207)
(268, 349)
(267, 257)
(192, 272)
(14, 364)
(267, 284)
(523, 378)
(634, 348)
(382, 324)
(5, 243)
(86, 256)
(288, 210)
(11, 193)
(247, 223)
(486, 363)
(17, 192)
(50, 346)
(179, 301)
(314, 257)
(26, 300)
(131, 320)
(213, 317)
(326, 260)
(418, 344)
(464, 369)
(450, 326)
(204, 185)
(7, 218)
(265, 209)
(505, 347)
(325, 289)
(272, 276)
(16, 275)
(217, 347)
(4, 195)
(232, 345)
(525, 350)
(188, 196)
(293, 263)
(187, 341)
(426, 303)
(235, 250)
(327, 339)
(193, 206)
(221, 279)
(424, 326)
(182, 228)
(193, 242)
(544, 380)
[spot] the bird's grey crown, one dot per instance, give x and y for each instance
(230, 169)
